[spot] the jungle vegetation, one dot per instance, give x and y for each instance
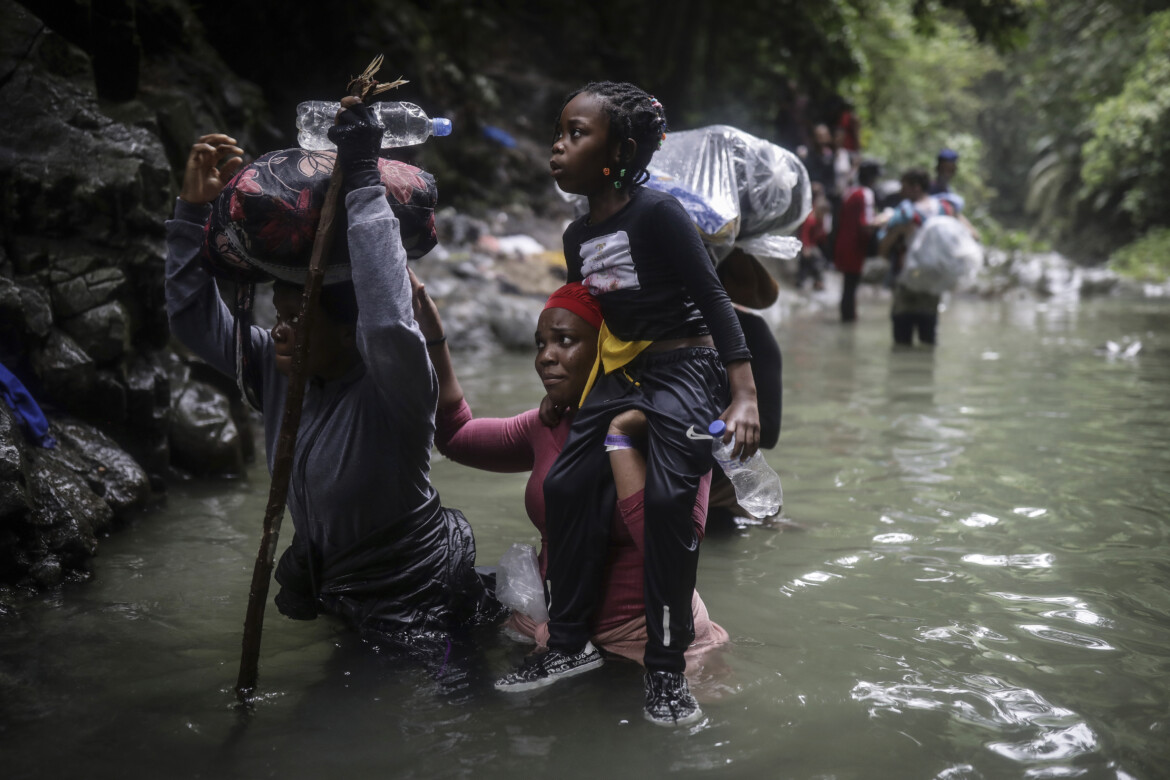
(1060, 109)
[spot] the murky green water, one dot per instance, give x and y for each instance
(981, 591)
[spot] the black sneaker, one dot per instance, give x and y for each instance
(669, 701)
(538, 671)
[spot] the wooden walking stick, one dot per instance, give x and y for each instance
(363, 86)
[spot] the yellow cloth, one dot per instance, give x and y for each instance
(612, 354)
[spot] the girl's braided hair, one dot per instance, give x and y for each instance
(634, 114)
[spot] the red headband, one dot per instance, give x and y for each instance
(575, 298)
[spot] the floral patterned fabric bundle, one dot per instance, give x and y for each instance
(263, 224)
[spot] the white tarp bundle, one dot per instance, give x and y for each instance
(738, 189)
(940, 256)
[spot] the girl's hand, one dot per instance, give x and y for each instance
(426, 313)
(742, 418)
(204, 177)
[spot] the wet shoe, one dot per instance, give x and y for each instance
(669, 701)
(538, 671)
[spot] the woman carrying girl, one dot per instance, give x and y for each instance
(670, 347)
(566, 347)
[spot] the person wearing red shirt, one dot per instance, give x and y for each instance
(813, 233)
(855, 227)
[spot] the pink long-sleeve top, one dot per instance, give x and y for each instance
(523, 443)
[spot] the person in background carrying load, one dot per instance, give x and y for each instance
(371, 542)
(665, 312)
(914, 310)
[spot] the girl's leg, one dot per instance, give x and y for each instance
(677, 394)
(580, 502)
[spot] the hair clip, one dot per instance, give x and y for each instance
(605, 171)
(617, 185)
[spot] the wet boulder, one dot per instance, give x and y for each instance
(1098, 281)
(107, 469)
(24, 309)
(67, 517)
(56, 502)
(77, 295)
(14, 500)
(103, 332)
(204, 437)
(512, 319)
(66, 372)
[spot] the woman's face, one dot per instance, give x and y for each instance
(566, 346)
(581, 149)
(331, 350)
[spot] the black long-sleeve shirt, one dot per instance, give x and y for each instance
(654, 280)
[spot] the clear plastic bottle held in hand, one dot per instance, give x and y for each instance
(757, 486)
(406, 124)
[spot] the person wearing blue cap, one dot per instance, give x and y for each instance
(944, 171)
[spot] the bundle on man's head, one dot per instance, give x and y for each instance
(263, 224)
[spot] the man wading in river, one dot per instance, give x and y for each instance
(372, 543)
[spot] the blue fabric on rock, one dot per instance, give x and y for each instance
(27, 411)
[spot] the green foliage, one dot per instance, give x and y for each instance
(920, 95)
(1147, 259)
(1037, 116)
(1001, 23)
(1127, 159)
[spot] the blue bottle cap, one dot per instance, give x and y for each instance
(441, 126)
(717, 428)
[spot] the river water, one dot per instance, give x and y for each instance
(979, 589)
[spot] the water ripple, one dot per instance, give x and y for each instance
(1020, 561)
(1075, 740)
(1068, 638)
(1050, 732)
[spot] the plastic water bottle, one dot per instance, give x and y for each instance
(406, 124)
(757, 486)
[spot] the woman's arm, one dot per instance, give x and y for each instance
(426, 314)
(501, 445)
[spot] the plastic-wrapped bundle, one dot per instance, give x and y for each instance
(738, 189)
(263, 224)
(941, 254)
(518, 583)
(735, 187)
